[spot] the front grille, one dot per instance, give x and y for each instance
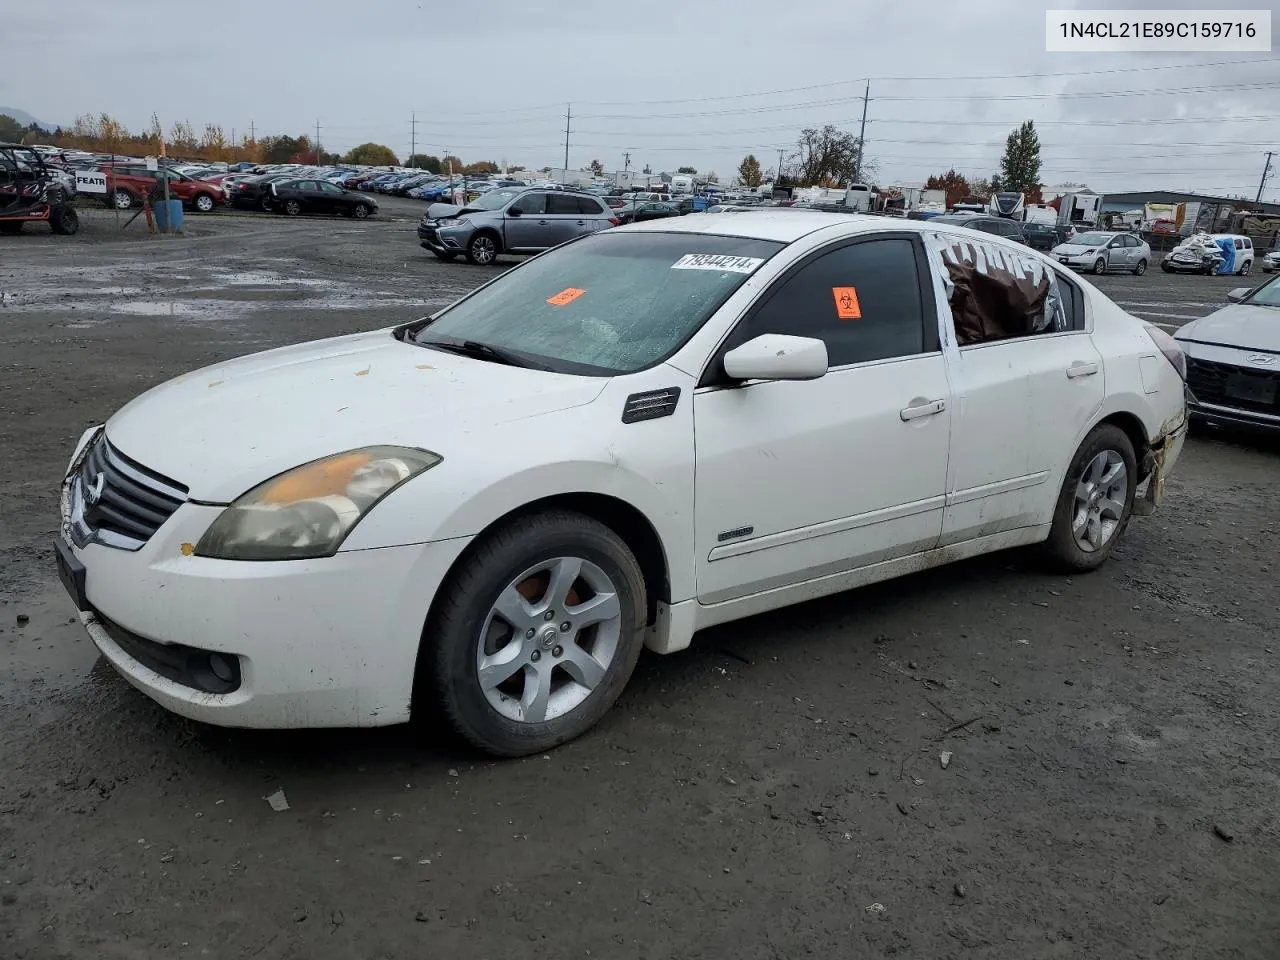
(122, 497)
(1227, 385)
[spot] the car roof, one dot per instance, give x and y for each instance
(779, 224)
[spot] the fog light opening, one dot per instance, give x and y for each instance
(222, 668)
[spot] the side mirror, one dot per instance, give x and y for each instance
(1238, 294)
(775, 356)
(514, 212)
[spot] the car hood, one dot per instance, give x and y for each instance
(1239, 325)
(224, 429)
(443, 211)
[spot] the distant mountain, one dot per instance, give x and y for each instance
(24, 118)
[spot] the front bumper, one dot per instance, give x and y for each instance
(452, 239)
(1076, 259)
(1182, 267)
(1224, 416)
(331, 642)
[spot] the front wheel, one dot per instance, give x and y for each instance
(1140, 269)
(1095, 502)
(533, 637)
(11, 227)
(482, 250)
(123, 199)
(64, 221)
(1100, 265)
(1166, 268)
(292, 207)
(204, 203)
(1244, 270)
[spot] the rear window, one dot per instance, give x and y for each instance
(607, 304)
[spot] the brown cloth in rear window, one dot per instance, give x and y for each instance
(996, 294)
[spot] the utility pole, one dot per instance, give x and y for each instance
(568, 115)
(778, 175)
(252, 138)
(862, 135)
(1266, 169)
(317, 143)
(626, 162)
(413, 136)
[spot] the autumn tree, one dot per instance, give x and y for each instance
(479, 167)
(749, 171)
(1020, 165)
(213, 142)
(451, 164)
(596, 168)
(373, 155)
(955, 185)
(713, 177)
(182, 139)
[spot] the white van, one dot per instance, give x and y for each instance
(1244, 251)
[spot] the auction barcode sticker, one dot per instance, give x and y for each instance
(717, 261)
(1159, 31)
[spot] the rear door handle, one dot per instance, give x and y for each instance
(922, 408)
(542, 223)
(582, 223)
(1081, 369)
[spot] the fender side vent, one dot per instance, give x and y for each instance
(651, 405)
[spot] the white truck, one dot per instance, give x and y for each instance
(1079, 209)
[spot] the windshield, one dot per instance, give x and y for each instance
(1090, 239)
(1267, 295)
(607, 304)
(491, 199)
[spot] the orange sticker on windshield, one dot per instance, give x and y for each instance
(565, 297)
(847, 307)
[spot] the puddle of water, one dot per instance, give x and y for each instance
(49, 654)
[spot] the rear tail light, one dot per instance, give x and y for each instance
(1170, 348)
(615, 221)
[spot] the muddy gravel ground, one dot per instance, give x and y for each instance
(776, 791)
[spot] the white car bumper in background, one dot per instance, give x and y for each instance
(310, 643)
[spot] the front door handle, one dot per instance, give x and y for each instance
(1081, 369)
(922, 408)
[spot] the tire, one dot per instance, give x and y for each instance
(361, 211)
(1244, 270)
(11, 227)
(1140, 269)
(64, 221)
(483, 250)
(122, 199)
(1100, 266)
(1090, 485)
(445, 255)
(1166, 268)
(465, 631)
(203, 203)
(292, 208)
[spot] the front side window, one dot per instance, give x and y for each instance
(610, 303)
(535, 203)
(1091, 239)
(863, 300)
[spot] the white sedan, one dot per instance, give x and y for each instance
(486, 514)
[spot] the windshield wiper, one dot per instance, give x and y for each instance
(479, 351)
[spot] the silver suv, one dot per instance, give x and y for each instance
(511, 220)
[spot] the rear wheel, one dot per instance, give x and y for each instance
(64, 220)
(534, 636)
(1244, 270)
(123, 199)
(361, 211)
(1100, 265)
(204, 203)
(1140, 269)
(1095, 502)
(292, 207)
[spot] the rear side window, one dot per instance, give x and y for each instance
(589, 207)
(1072, 302)
(1248, 244)
(863, 300)
(1239, 244)
(562, 203)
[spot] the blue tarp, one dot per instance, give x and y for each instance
(1228, 248)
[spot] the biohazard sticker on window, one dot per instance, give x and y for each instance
(847, 306)
(717, 261)
(565, 296)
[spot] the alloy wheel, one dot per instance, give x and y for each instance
(483, 250)
(1100, 501)
(548, 640)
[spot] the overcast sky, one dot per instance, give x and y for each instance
(696, 83)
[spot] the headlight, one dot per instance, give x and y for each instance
(308, 511)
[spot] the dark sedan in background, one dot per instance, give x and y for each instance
(293, 197)
(253, 193)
